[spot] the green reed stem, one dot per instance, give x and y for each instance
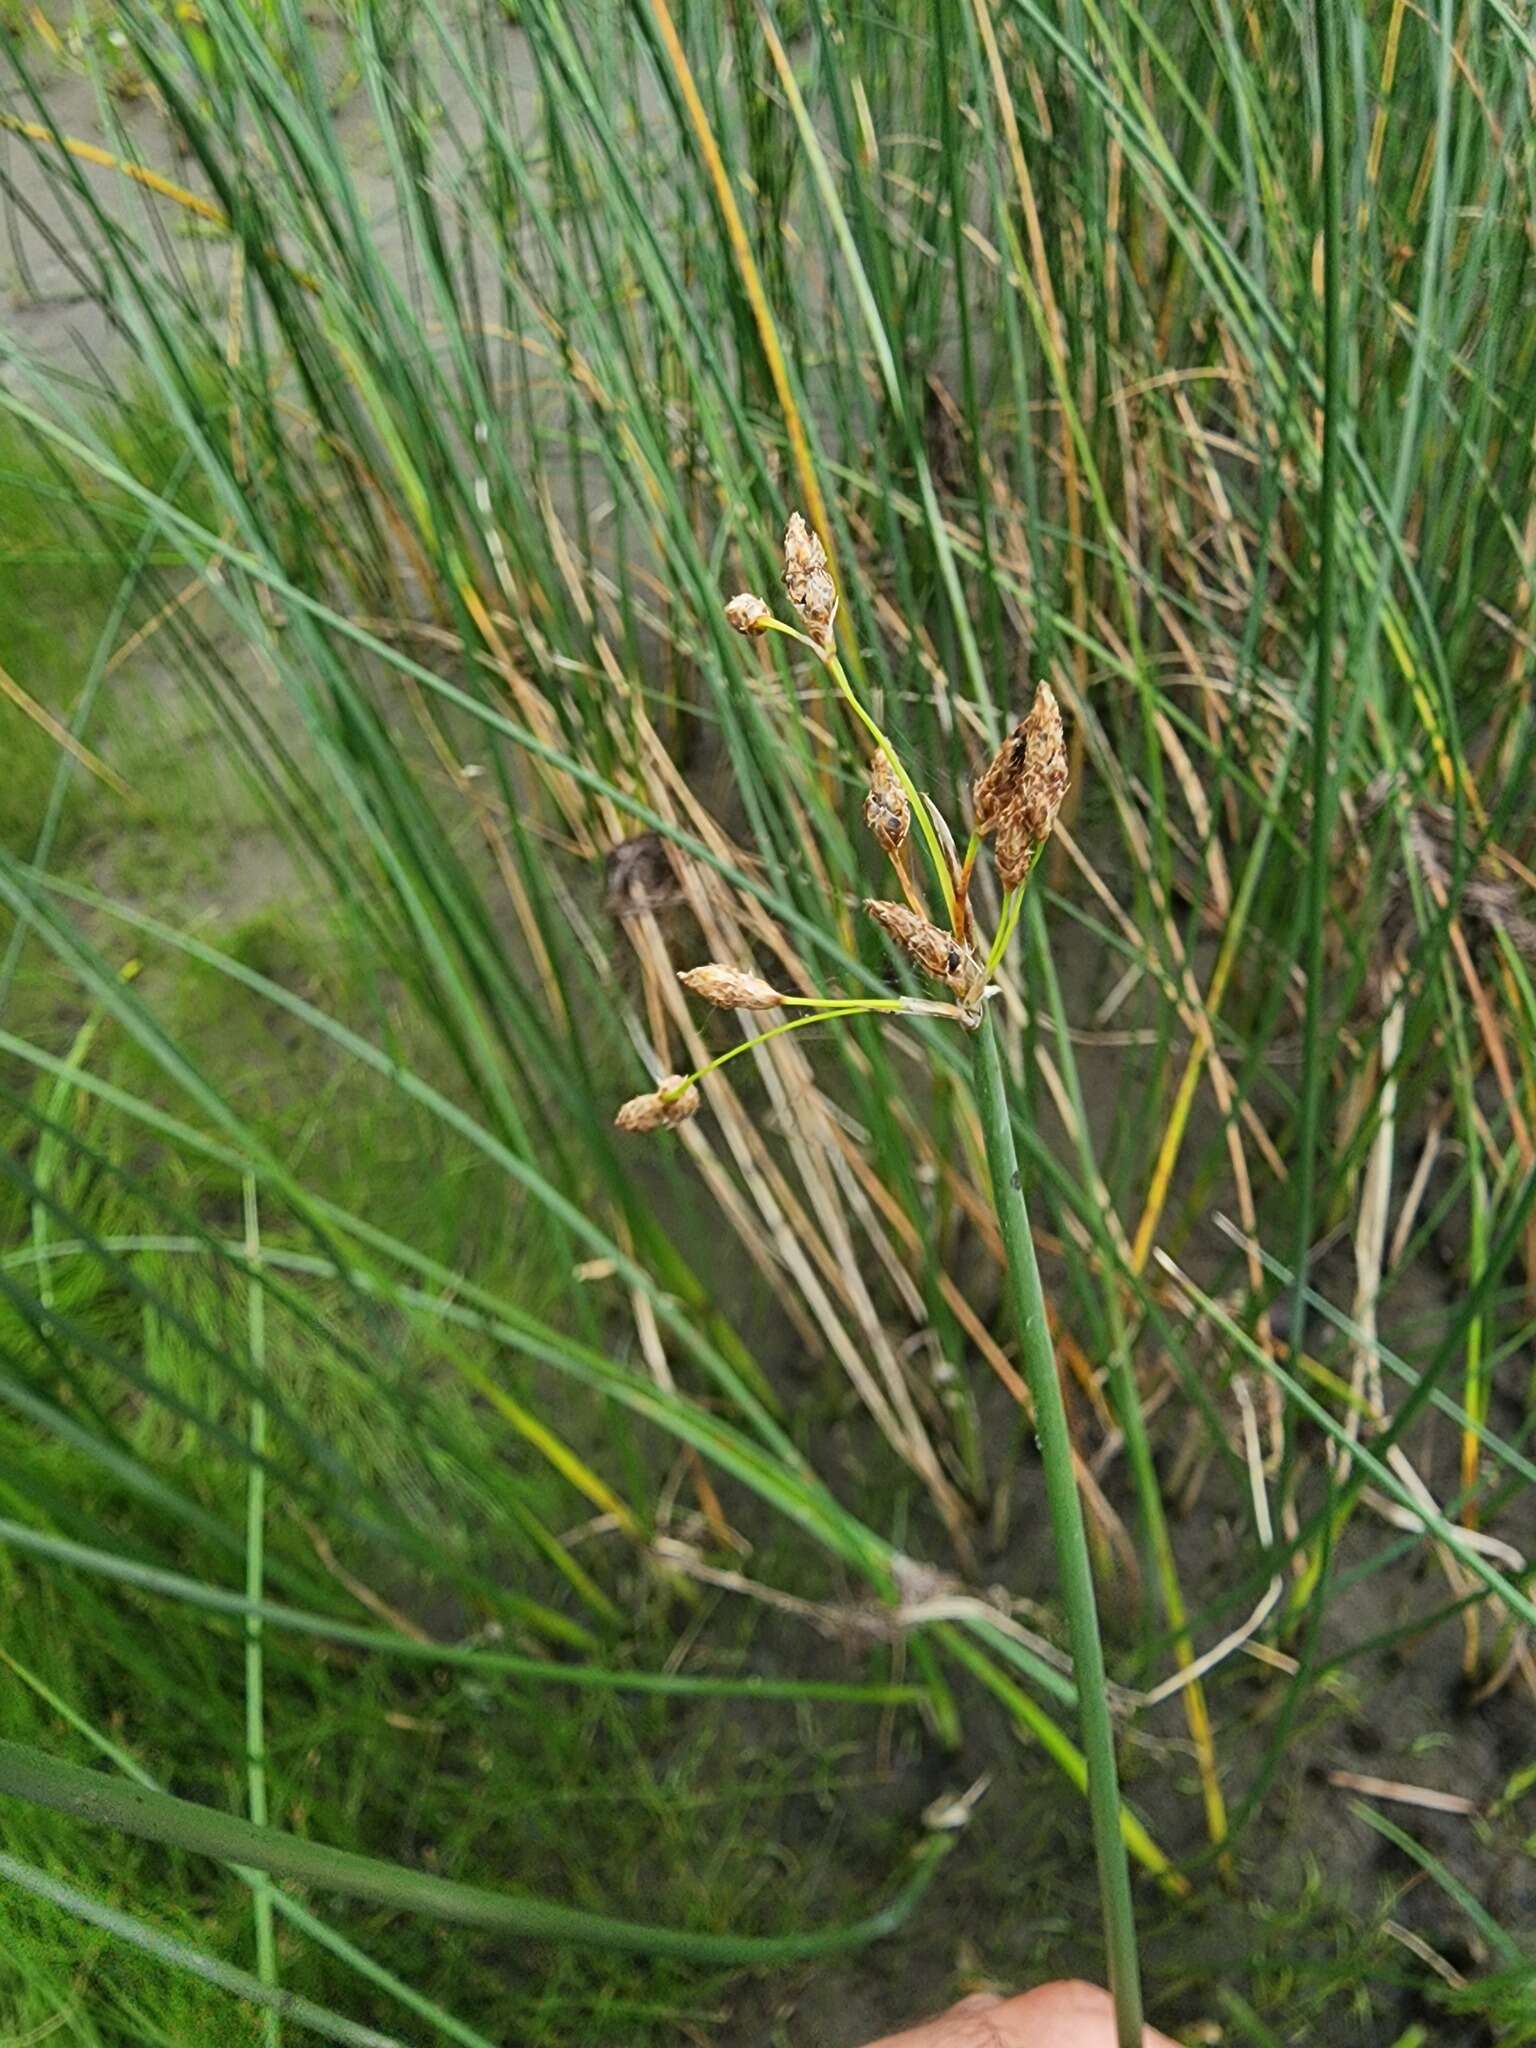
(1318, 872)
(851, 698)
(920, 816)
(255, 1579)
(181, 1955)
(1007, 925)
(42, 1780)
(821, 1014)
(1039, 1359)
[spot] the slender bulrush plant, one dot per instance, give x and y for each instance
(1014, 805)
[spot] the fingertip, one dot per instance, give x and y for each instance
(1068, 2014)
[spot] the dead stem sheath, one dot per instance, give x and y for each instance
(1066, 1513)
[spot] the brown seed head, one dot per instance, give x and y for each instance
(995, 784)
(1016, 846)
(748, 614)
(1043, 780)
(654, 1112)
(728, 988)
(808, 582)
(935, 951)
(886, 810)
(1030, 767)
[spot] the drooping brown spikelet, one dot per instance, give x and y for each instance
(654, 1112)
(728, 988)
(808, 581)
(886, 810)
(1029, 767)
(748, 614)
(937, 952)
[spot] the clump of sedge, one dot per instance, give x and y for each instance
(1016, 798)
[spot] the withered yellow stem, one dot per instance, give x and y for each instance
(92, 153)
(909, 889)
(1040, 295)
(61, 734)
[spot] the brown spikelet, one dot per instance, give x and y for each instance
(748, 614)
(886, 810)
(1043, 778)
(1016, 846)
(994, 785)
(1029, 767)
(935, 951)
(728, 988)
(808, 582)
(654, 1112)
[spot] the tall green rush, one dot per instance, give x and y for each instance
(1322, 785)
(1015, 801)
(1066, 1512)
